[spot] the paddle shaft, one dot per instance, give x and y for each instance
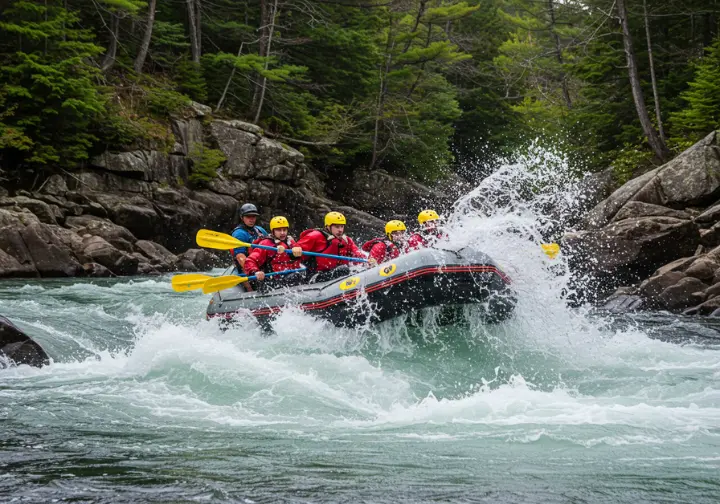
(318, 254)
(286, 272)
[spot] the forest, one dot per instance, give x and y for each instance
(418, 88)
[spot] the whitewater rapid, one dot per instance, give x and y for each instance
(145, 400)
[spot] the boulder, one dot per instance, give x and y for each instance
(94, 269)
(634, 209)
(200, 260)
(710, 237)
(41, 209)
(237, 145)
(199, 109)
(654, 285)
(187, 133)
(623, 303)
(118, 236)
(677, 265)
(703, 268)
(160, 257)
(41, 245)
(686, 292)
(692, 178)
(705, 308)
(100, 251)
(712, 291)
(20, 348)
(54, 185)
(151, 166)
(709, 217)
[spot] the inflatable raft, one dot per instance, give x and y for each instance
(421, 279)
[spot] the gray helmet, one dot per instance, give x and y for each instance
(248, 209)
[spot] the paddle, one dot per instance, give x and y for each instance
(551, 249)
(225, 282)
(213, 239)
(192, 281)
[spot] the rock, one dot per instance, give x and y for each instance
(710, 237)
(712, 291)
(200, 259)
(200, 109)
(703, 268)
(41, 209)
(94, 269)
(54, 185)
(687, 292)
(709, 217)
(160, 257)
(11, 267)
(677, 265)
(20, 348)
(148, 270)
(692, 178)
(48, 251)
(246, 126)
(118, 236)
(623, 303)
(151, 166)
(237, 145)
(136, 214)
(188, 133)
(635, 209)
(100, 251)
(388, 196)
(715, 313)
(653, 286)
(705, 308)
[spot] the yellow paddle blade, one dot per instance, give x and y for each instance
(551, 249)
(192, 281)
(222, 283)
(214, 240)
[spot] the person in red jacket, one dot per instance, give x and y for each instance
(262, 261)
(389, 246)
(429, 231)
(329, 240)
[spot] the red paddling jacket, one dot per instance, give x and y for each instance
(319, 240)
(382, 249)
(269, 261)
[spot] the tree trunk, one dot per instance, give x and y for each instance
(264, 30)
(382, 93)
(147, 37)
(193, 21)
(109, 59)
(656, 97)
(558, 54)
(229, 81)
(656, 143)
(263, 80)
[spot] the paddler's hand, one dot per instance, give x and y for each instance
(241, 259)
(297, 251)
(260, 276)
(372, 262)
(281, 249)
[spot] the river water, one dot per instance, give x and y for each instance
(145, 401)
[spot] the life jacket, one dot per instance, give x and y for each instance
(332, 246)
(254, 233)
(391, 249)
(275, 261)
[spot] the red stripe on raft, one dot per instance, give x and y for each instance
(379, 285)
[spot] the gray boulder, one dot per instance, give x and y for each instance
(100, 251)
(19, 347)
(687, 292)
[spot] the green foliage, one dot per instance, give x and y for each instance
(49, 94)
(206, 163)
(164, 102)
(702, 112)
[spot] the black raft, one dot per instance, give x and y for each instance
(418, 280)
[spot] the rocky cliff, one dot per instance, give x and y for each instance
(135, 212)
(657, 236)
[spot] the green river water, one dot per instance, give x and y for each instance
(145, 401)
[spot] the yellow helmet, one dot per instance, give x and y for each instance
(334, 218)
(394, 225)
(279, 222)
(427, 215)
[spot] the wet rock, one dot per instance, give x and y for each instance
(200, 259)
(712, 291)
(710, 237)
(94, 269)
(19, 347)
(100, 251)
(634, 209)
(623, 303)
(690, 179)
(677, 265)
(705, 308)
(118, 236)
(653, 286)
(703, 268)
(160, 257)
(686, 292)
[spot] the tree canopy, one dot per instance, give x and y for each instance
(415, 87)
